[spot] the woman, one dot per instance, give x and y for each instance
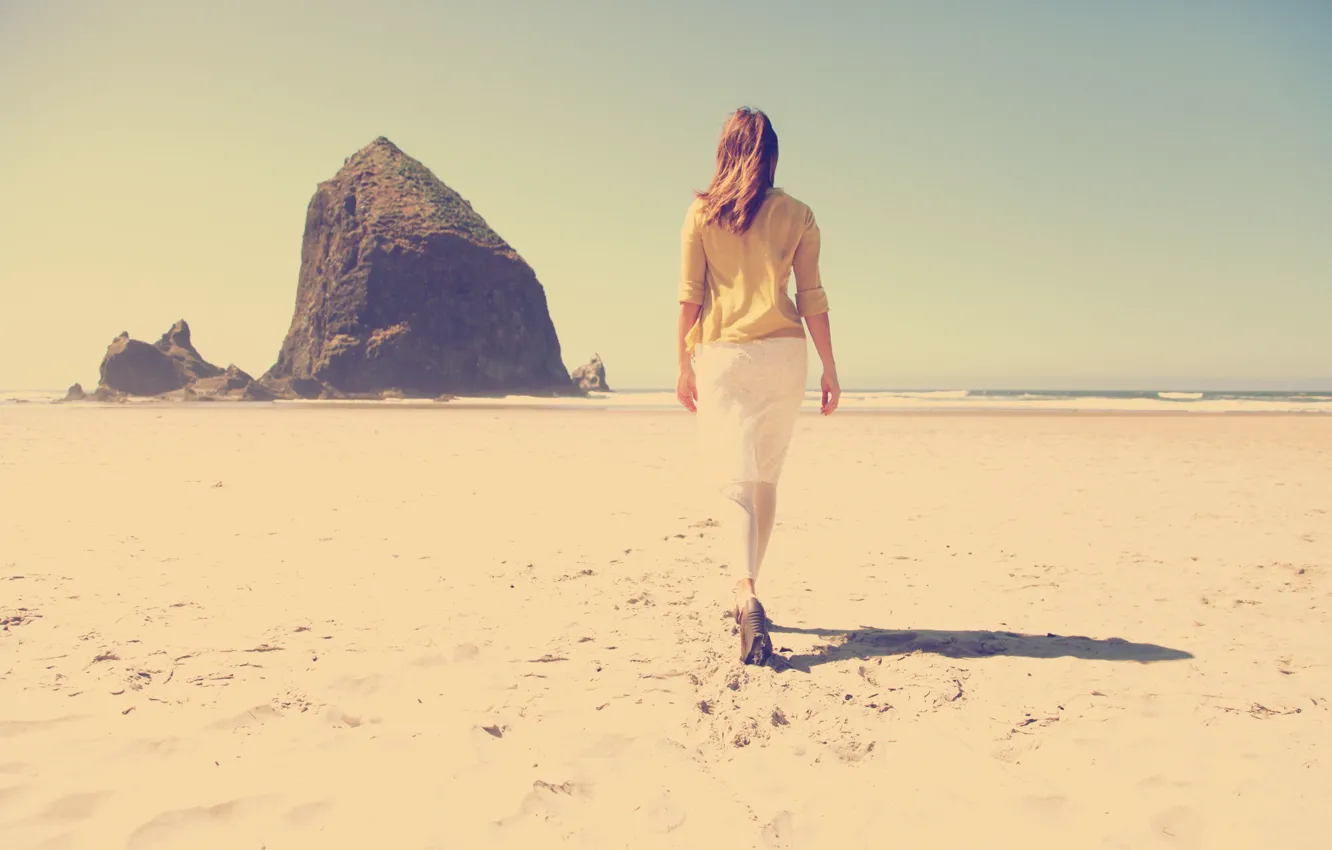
(740, 329)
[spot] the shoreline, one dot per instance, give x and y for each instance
(594, 407)
(950, 403)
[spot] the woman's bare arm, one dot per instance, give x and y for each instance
(688, 318)
(686, 387)
(820, 331)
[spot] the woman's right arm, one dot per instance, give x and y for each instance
(820, 331)
(693, 274)
(812, 304)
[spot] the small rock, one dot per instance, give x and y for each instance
(75, 393)
(591, 377)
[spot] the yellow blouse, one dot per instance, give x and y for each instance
(741, 279)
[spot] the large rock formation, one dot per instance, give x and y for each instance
(137, 368)
(591, 376)
(403, 286)
(172, 365)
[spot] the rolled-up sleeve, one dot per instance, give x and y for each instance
(693, 264)
(810, 299)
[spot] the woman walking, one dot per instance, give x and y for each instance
(742, 349)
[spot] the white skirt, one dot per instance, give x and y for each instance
(749, 394)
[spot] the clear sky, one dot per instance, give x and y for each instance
(1102, 193)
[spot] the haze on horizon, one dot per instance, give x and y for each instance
(1019, 195)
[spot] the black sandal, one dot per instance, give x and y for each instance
(755, 645)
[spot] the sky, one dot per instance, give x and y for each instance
(1101, 194)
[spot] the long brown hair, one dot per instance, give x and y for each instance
(746, 160)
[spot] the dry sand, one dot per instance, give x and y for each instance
(267, 627)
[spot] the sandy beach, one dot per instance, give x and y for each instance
(271, 626)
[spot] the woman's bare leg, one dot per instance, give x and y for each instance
(765, 517)
(749, 513)
(740, 521)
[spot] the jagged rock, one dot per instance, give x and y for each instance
(591, 376)
(235, 384)
(404, 286)
(75, 393)
(291, 388)
(235, 378)
(327, 393)
(105, 394)
(137, 368)
(176, 344)
(255, 391)
(229, 383)
(173, 370)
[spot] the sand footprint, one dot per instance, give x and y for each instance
(235, 823)
(1023, 739)
(544, 802)
(466, 652)
(75, 806)
(306, 814)
(663, 815)
(779, 833)
(251, 718)
(341, 719)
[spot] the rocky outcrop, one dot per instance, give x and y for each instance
(137, 368)
(191, 367)
(293, 388)
(232, 383)
(591, 377)
(102, 393)
(404, 287)
(170, 368)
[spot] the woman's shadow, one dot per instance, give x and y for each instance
(867, 642)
